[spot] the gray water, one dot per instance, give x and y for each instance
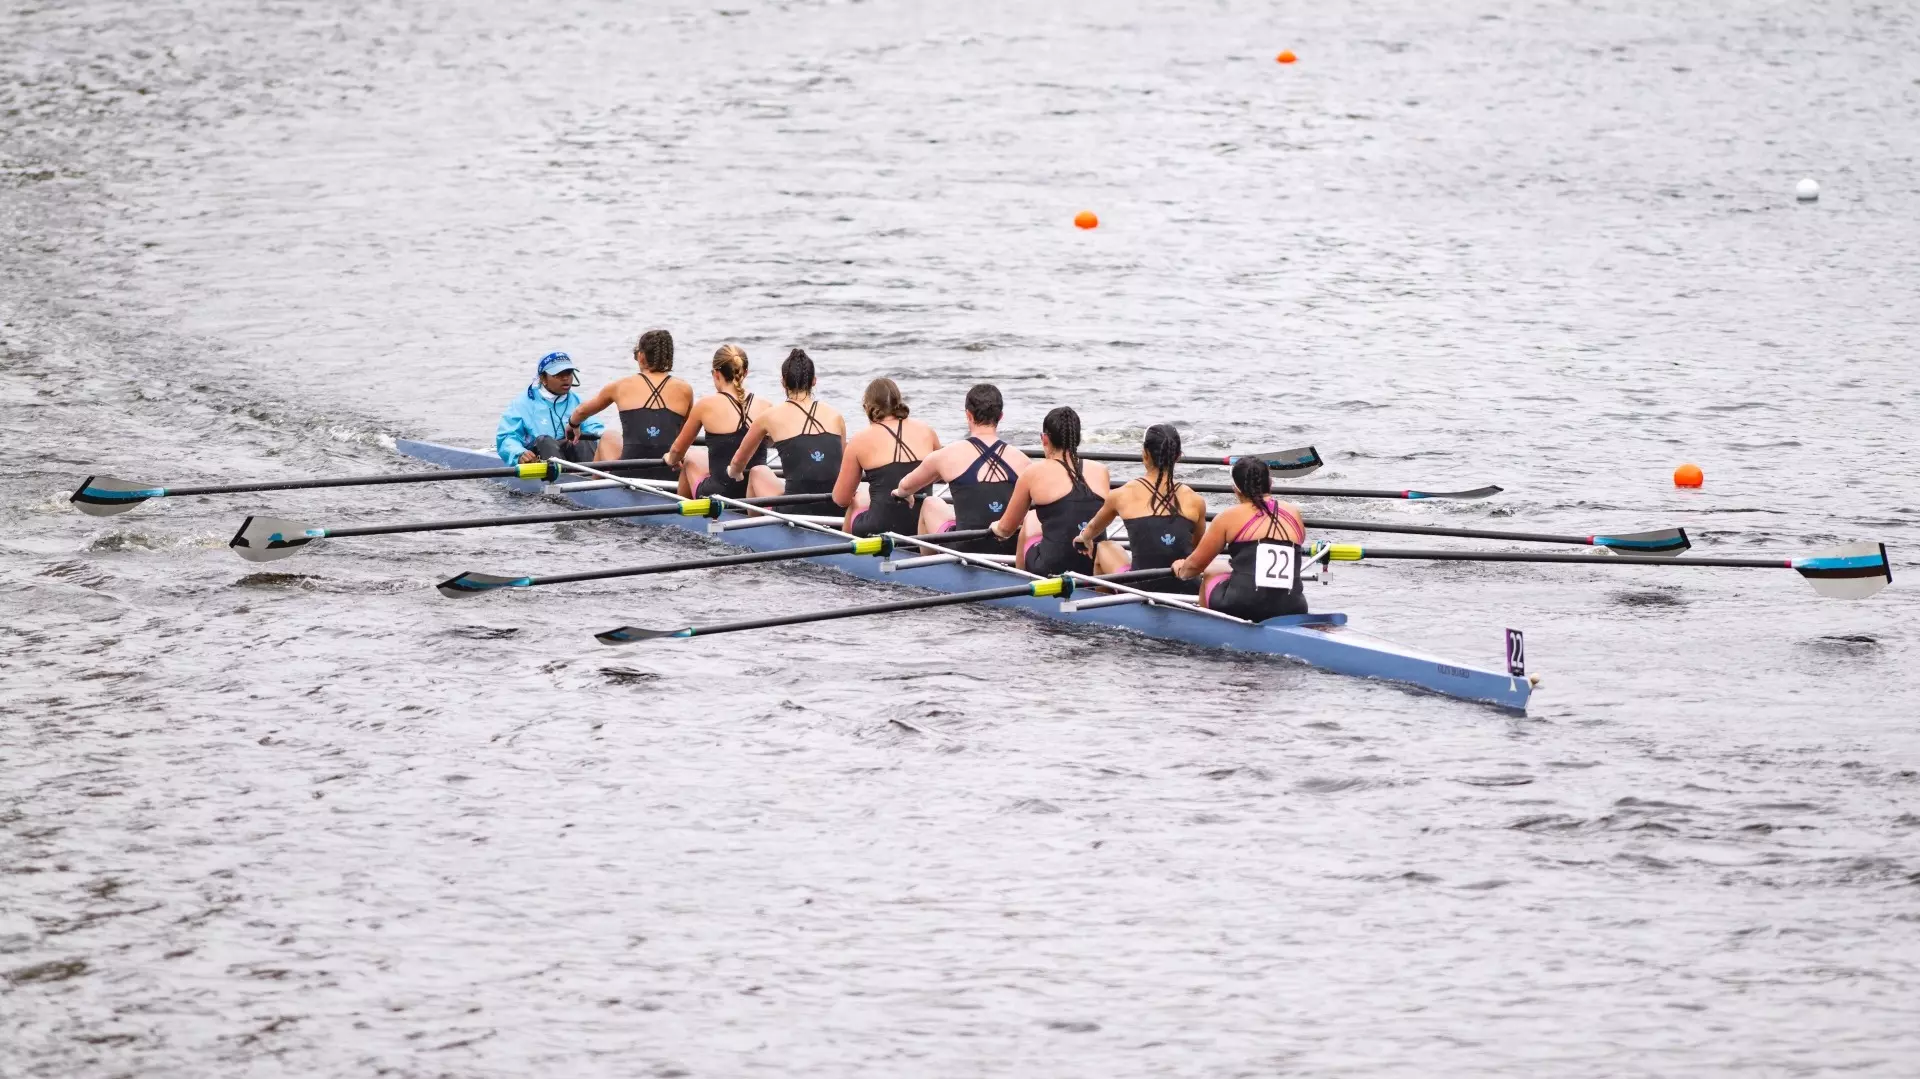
(317, 820)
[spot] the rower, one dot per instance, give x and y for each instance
(1063, 492)
(809, 437)
(1164, 518)
(653, 407)
(725, 414)
(979, 474)
(1262, 576)
(538, 424)
(882, 455)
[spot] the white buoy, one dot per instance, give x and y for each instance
(1807, 191)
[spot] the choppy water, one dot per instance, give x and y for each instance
(321, 821)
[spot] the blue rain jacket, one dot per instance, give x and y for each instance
(534, 413)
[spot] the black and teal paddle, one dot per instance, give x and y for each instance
(1046, 586)
(1286, 463)
(267, 539)
(1854, 571)
(472, 584)
(1353, 492)
(1658, 541)
(104, 496)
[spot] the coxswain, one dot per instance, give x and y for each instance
(979, 473)
(1262, 538)
(891, 446)
(653, 407)
(539, 425)
(808, 434)
(1164, 518)
(725, 414)
(1063, 493)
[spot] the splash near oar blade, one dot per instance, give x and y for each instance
(1854, 571)
(269, 539)
(104, 496)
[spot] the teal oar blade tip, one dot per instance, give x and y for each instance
(1660, 541)
(471, 584)
(104, 496)
(630, 634)
(269, 539)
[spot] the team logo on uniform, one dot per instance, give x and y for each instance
(653, 432)
(1166, 539)
(996, 506)
(819, 455)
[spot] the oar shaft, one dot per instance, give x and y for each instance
(1353, 552)
(687, 508)
(1351, 492)
(538, 470)
(1118, 457)
(873, 545)
(1044, 587)
(1435, 530)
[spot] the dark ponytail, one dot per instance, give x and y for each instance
(1254, 480)
(797, 373)
(1062, 428)
(1162, 446)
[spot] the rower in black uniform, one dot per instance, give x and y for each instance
(1164, 518)
(809, 435)
(979, 471)
(653, 406)
(1262, 537)
(881, 456)
(725, 416)
(1063, 493)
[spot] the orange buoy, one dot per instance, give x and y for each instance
(1286, 57)
(1086, 219)
(1688, 475)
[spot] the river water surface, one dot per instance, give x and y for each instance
(317, 820)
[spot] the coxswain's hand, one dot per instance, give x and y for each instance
(528, 457)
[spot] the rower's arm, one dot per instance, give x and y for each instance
(847, 484)
(593, 407)
(1097, 527)
(928, 471)
(1017, 506)
(1209, 547)
(688, 430)
(737, 468)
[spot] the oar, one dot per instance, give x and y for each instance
(1045, 586)
(468, 584)
(103, 496)
(267, 539)
(1351, 492)
(1289, 463)
(1656, 542)
(1854, 571)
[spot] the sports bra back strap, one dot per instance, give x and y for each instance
(654, 400)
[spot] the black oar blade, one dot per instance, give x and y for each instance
(630, 634)
(1476, 493)
(104, 496)
(1854, 571)
(269, 539)
(1659, 541)
(472, 584)
(1290, 464)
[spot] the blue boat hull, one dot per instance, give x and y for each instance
(1322, 641)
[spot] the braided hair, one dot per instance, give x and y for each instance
(796, 375)
(1162, 446)
(655, 351)
(1062, 428)
(1254, 480)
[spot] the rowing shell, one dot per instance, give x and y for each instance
(1324, 641)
